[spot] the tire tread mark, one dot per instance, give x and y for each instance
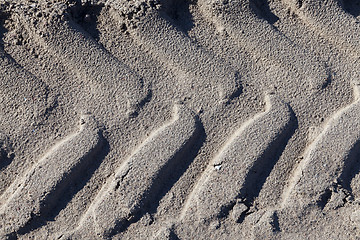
(256, 35)
(140, 179)
(326, 158)
(230, 173)
(23, 86)
(86, 59)
(184, 57)
(36, 193)
(325, 17)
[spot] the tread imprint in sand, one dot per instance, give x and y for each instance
(330, 19)
(231, 178)
(120, 202)
(256, 35)
(180, 54)
(37, 192)
(328, 160)
(229, 186)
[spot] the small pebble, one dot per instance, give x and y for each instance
(217, 167)
(87, 18)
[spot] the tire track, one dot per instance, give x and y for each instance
(229, 188)
(179, 53)
(326, 160)
(86, 59)
(36, 194)
(23, 96)
(227, 184)
(122, 201)
(325, 17)
(260, 38)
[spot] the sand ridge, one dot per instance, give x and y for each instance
(162, 119)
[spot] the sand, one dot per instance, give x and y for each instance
(164, 119)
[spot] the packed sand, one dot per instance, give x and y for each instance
(180, 119)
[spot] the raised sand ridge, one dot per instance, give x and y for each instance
(164, 119)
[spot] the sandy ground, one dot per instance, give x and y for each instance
(165, 119)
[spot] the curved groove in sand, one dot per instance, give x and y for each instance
(86, 59)
(37, 192)
(330, 20)
(325, 159)
(16, 83)
(118, 204)
(254, 144)
(184, 57)
(264, 41)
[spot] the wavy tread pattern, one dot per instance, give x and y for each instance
(263, 40)
(224, 182)
(180, 54)
(143, 187)
(36, 193)
(325, 17)
(86, 59)
(20, 91)
(119, 203)
(326, 158)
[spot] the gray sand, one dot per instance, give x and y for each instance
(163, 119)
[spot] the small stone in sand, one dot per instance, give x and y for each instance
(87, 18)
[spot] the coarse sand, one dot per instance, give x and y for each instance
(179, 119)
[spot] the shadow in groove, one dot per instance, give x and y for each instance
(352, 7)
(86, 15)
(178, 13)
(261, 169)
(262, 10)
(351, 167)
(6, 155)
(166, 179)
(71, 185)
(263, 166)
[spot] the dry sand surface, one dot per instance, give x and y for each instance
(180, 119)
